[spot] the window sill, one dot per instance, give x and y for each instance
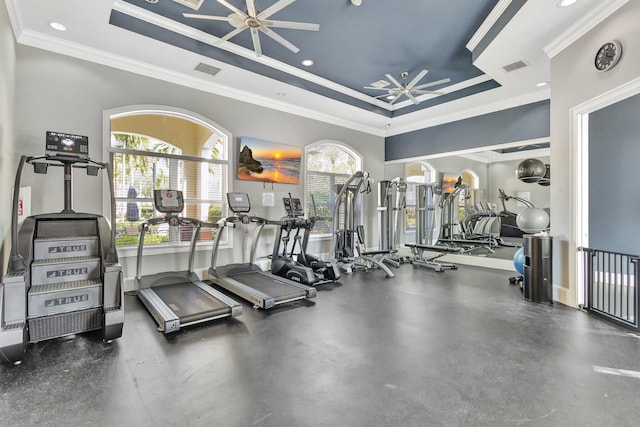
(132, 251)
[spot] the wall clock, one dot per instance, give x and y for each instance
(608, 55)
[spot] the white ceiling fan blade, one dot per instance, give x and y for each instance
(437, 82)
(279, 39)
(384, 95)
(417, 79)
(231, 7)
(395, 99)
(274, 8)
(251, 7)
(232, 34)
(394, 81)
(376, 88)
(292, 25)
(255, 36)
(412, 98)
(207, 17)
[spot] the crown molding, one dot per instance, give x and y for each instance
(63, 47)
(488, 23)
(14, 17)
(469, 151)
(599, 13)
(474, 112)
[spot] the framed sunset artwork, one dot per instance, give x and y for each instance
(268, 161)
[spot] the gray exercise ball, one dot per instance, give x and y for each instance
(532, 220)
(531, 170)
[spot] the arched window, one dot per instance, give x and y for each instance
(470, 199)
(328, 163)
(154, 149)
(415, 173)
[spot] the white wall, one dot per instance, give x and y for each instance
(7, 154)
(574, 81)
(59, 93)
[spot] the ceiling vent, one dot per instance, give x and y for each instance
(515, 66)
(193, 4)
(207, 69)
(380, 84)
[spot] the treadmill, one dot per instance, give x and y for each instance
(179, 298)
(247, 280)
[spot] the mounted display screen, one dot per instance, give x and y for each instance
(267, 161)
(67, 144)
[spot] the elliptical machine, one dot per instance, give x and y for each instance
(323, 271)
(282, 263)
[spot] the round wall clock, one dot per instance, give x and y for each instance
(608, 55)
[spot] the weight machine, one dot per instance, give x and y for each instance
(391, 205)
(347, 244)
(426, 215)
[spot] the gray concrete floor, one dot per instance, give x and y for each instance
(459, 348)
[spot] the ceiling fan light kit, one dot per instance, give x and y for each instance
(257, 22)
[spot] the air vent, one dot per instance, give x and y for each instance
(207, 69)
(193, 4)
(514, 66)
(380, 84)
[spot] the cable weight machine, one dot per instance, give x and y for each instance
(391, 206)
(347, 244)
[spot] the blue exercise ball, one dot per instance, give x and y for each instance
(518, 260)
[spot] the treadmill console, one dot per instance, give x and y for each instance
(293, 207)
(68, 145)
(239, 202)
(168, 201)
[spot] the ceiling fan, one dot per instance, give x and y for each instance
(257, 22)
(408, 89)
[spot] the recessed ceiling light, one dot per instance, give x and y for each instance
(307, 62)
(391, 96)
(565, 3)
(356, 2)
(57, 26)
(541, 84)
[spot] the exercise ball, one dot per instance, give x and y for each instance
(530, 170)
(532, 220)
(518, 260)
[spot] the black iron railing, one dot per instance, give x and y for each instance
(611, 284)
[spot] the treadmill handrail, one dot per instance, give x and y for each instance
(144, 226)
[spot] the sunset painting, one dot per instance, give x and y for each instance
(269, 161)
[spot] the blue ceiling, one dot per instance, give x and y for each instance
(354, 47)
